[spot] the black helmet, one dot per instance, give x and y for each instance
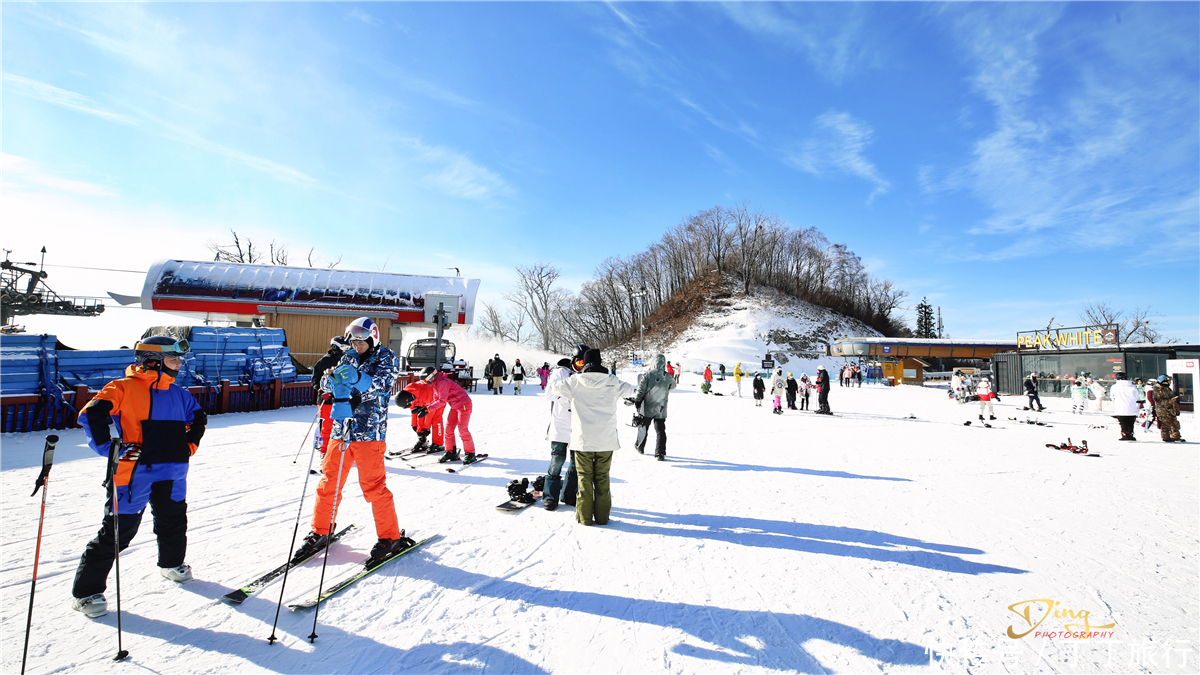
(340, 343)
(428, 372)
(404, 398)
(150, 352)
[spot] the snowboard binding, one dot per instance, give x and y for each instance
(518, 491)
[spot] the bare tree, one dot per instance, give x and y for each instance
(1134, 326)
(536, 295)
(315, 261)
(244, 250)
(492, 322)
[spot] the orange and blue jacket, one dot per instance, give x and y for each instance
(151, 413)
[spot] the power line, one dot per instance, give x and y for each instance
(98, 269)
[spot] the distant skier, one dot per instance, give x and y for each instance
(1097, 388)
(1125, 405)
(1166, 406)
(778, 389)
(361, 433)
(338, 346)
(1031, 390)
(986, 396)
(1079, 393)
(708, 374)
(654, 387)
(160, 426)
(759, 388)
(823, 391)
(499, 374)
(721, 376)
(792, 387)
(594, 395)
(671, 371)
(678, 371)
(518, 376)
(805, 390)
(487, 373)
(738, 374)
(543, 374)
(858, 376)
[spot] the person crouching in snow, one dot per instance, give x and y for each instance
(448, 394)
(759, 388)
(778, 389)
(419, 394)
(160, 426)
(594, 395)
(986, 396)
(359, 439)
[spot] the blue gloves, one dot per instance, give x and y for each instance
(342, 381)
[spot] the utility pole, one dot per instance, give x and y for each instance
(437, 345)
(939, 322)
(641, 296)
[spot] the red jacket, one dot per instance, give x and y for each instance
(708, 374)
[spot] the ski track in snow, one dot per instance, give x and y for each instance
(765, 543)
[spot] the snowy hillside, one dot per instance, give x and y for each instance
(765, 544)
(721, 325)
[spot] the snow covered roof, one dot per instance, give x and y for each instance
(237, 289)
(948, 342)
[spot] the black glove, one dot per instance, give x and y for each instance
(355, 399)
(420, 411)
(630, 401)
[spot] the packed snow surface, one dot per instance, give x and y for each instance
(793, 543)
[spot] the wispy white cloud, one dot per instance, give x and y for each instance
(1085, 156)
(829, 35)
(19, 172)
(62, 98)
(362, 16)
(838, 144)
(454, 173)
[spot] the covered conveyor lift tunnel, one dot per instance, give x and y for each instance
(899, 348)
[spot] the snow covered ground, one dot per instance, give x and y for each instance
(794, 543)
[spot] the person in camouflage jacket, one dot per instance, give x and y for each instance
(358, 437)
(1166, 406)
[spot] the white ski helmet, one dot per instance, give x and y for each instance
(363, 328)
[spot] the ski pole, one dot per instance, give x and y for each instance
(337, 492)
(310, 428)
(40, 484)
(299, 514)
(114, 457)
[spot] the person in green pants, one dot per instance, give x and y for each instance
(594, 395)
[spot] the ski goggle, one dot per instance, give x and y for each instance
(359, 333)
(178, 349)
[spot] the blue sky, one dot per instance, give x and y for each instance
(1009, 161)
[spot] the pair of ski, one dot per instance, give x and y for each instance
(240, 595)
(1072, 448)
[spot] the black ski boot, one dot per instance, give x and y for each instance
(981, 418)
(422, 442)
(312, 544)
(386, 548)
(991, 417)
(469, 458)
(435, 449)
(450, 456)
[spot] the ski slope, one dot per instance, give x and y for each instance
(794, 543)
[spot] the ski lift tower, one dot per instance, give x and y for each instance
(23, 298)
(641, 296)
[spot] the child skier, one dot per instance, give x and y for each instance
(805, 388)
(1079, 392)
(419, 394)
(544, 374)
(986, 396)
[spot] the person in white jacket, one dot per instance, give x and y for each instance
(1078, 397)
(1125, 405)
(778, 389)
(559, 435)
(1097, 391)
(594, 395)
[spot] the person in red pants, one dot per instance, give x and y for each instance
(419, 394)
(448, 394)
